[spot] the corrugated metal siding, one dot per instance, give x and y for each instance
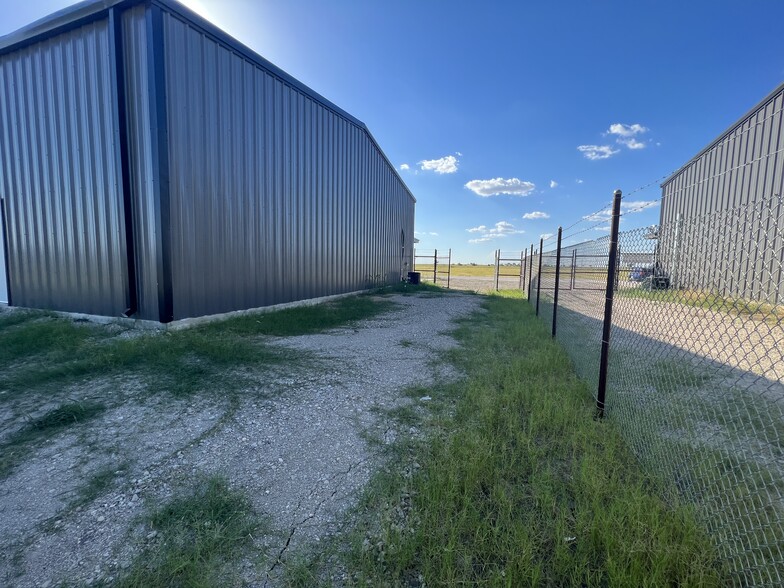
(274, 197)
(3, 276)
(146, 239)
(742, 169)
(60, 174)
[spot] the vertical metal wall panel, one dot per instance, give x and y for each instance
(3, 275)
(137, 91)
(60, 176)
(274, 196)
(742, 167)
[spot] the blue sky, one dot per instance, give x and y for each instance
(558, 103)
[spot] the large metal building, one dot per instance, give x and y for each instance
(722, 214)
(152, 166)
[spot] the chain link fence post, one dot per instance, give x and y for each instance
(557, 280)
(530, 271)
(539, 276)
(608, 303)
(521, 285)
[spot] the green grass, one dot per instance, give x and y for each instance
(17, 446)
(215, 356)
(517, 485)
(758, 311)
(41, 356)
(200, 539)
(99, 482)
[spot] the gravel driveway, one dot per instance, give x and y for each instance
(296, 446)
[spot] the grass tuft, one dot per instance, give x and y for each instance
(199, 539)
(18, 445)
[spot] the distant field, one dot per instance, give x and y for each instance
(468, 270)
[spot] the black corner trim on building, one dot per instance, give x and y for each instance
(116, 36)
(6, 255)
(156, 70)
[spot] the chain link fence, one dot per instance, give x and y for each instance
(696, 360)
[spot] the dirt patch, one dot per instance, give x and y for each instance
(297, 445)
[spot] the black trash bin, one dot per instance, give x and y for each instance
(413, 277)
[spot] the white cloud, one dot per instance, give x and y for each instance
(623, 130)
(596, 152)
(553, 183)
(627, 207)
(404, 166)
(497, 186)
(545, 236)
(625, 134)
(499, 231)
(445, 165)
(631, 206)
(535, 214)
(579, 181)
(504, 228)
(632, 143)
(433, 234)
(600, 216)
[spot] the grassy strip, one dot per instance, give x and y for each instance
(58, 352)
(758, 311)
(520, 486)
(199, 539)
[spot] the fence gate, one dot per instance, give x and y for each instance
(519, 273)
(437, 263)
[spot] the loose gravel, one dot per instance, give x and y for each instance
(297, 446)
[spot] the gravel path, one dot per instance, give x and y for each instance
(297, 446)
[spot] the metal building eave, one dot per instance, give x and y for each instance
(89, 10)
(722, 136)
(222, 36)
(63, 20)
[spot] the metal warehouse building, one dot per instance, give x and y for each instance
(721, 215)
(152, 166)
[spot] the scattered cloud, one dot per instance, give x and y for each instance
(632, 143)
(497, 186)
(579, 181)
(433, 234)
(637, 205)
(623, 130)
(404, 166)
(626, 134)
(596, 152)
(553, 184)
(545, 236)
(445, 165)
(535, 214)
(627, 207)
(500, 230)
